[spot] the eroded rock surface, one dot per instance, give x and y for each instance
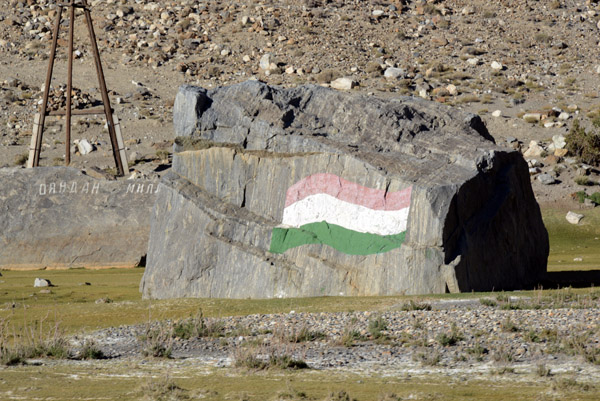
(311, 191)
(58, 217)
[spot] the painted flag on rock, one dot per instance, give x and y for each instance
(356, 220)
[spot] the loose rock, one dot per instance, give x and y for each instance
(574, 218)
(41, 282)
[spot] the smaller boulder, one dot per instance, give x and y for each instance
(574, 218)
(394, 73)
(534, 150)
(42, 282)
(546, 179)
(559, 141)
(344, 83)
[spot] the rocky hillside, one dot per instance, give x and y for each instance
(528, 68)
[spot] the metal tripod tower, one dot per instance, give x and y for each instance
(113, 130)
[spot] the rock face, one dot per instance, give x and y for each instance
(57, 217)
(311, 191)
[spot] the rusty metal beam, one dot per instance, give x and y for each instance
(44, 105)
(103, 91)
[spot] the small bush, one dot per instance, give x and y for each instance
(33, 341)
(488, 302)
(260, 358)
(580, 196)
(157, 342)
(584, 145)
(341, 396)
(197, 326)
(249, 359)
(448, 340)
(327, 76)
(478, 351)
(428, 358)
(162, 155)
(542, 370)
(377, 326)
(583, 180)
(509, 326)
(412, 305)
(90, 350)
(349, 336)
(162, 388)
(20, 160)
(304, 334)
(286, 362)
(503, 355)
(532, 336)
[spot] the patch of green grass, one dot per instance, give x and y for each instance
(568, 241)
(125, 380)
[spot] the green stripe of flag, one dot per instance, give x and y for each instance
(347, 241)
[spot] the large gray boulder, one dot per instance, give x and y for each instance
(310, 191)
(58, 217)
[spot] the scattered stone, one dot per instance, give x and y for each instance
(561, 153)
(564, 116)
(394, 73)
(559, 141)
(574, 218)
(468, 10)
(266, 63)
(534, 150)
(83, 146)
(497, 113)
(473, 61)
(546, 179)
(497, 66)
(534, 170)
(41, 282)
(551, 159)
(452, 89)
(344, 83)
